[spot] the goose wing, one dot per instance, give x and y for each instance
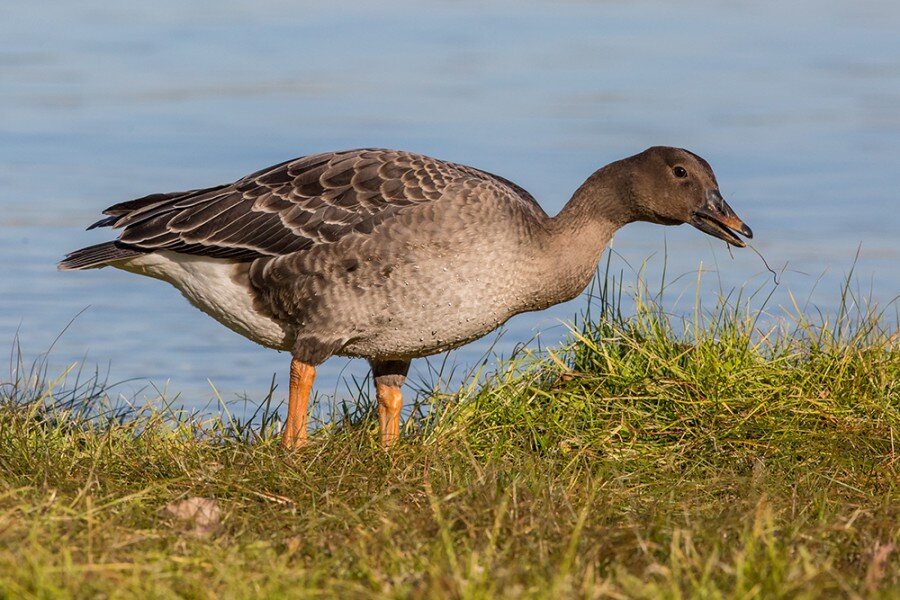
(298, 204)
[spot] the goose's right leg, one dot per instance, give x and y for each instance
(302, 377)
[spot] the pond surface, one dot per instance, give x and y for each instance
(796, 105)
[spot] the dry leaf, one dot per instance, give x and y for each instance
(202, 514)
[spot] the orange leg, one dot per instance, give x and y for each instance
(390, 401)
(389, 376)
(302, 376)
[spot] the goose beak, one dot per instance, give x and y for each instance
(716, 218)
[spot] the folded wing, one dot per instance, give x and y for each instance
(298, 204)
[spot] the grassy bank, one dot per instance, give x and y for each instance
(718, 457)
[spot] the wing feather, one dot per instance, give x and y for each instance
(298, 204)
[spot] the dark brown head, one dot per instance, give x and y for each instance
(672, 186)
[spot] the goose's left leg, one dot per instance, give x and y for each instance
(389, 377)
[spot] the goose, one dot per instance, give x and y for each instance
(389, 255)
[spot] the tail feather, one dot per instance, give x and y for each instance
(104, 222)
(96, 256)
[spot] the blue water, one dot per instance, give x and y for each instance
(796, 105)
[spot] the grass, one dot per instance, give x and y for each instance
(651, 457)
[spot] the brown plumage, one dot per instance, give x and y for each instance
(391, 255)
(298, 204)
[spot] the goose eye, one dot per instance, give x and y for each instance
(680, 172)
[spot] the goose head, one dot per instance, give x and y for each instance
(676, 186)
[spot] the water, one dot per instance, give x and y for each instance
(797, 106)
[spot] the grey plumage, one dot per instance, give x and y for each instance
(296, 205)
(389, 255)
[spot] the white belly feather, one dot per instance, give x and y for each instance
(211, 285)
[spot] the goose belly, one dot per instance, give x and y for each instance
(216, 287)
(422, 338)
(420, 320)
